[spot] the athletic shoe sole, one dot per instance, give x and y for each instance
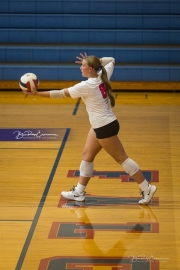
(78, 199)
(152, 194)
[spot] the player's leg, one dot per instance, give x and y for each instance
(115, 148)
(91, 149)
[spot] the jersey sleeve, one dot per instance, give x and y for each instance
(109, 69)
(79, 90)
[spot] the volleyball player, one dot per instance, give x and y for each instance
(96, 92)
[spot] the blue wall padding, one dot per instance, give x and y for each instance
(45, 36)
(67, 54)
(91, 7)
(69, 21)
(72, 72)
(90, 36)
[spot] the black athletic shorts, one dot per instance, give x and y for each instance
(108, 130)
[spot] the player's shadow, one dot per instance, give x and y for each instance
(104, 250)
(146, 222)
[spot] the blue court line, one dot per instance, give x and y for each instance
(41, 204)
(76, 106)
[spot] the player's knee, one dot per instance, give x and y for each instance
(130, 166)
(86, 168)
(120, 158)
(88, 156)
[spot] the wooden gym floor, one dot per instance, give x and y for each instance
(40, 152)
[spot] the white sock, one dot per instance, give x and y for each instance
(80, 188)
(144, 185)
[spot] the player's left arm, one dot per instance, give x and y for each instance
(66, 92)
(34, 92)
(49, 94)
(59, 93)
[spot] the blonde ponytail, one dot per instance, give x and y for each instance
(95, 63)
(108, 86)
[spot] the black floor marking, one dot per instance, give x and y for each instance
(41, 204)
(76, 106)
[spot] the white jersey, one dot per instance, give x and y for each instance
(93, 93)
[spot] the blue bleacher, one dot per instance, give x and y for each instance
(79, 21)
(137, 7)
(89, 36)
(122, 72)
(44, 37)
(61, 54)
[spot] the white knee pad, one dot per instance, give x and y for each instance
(86, 168)
(130, 166)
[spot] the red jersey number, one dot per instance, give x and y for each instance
(102, 88)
